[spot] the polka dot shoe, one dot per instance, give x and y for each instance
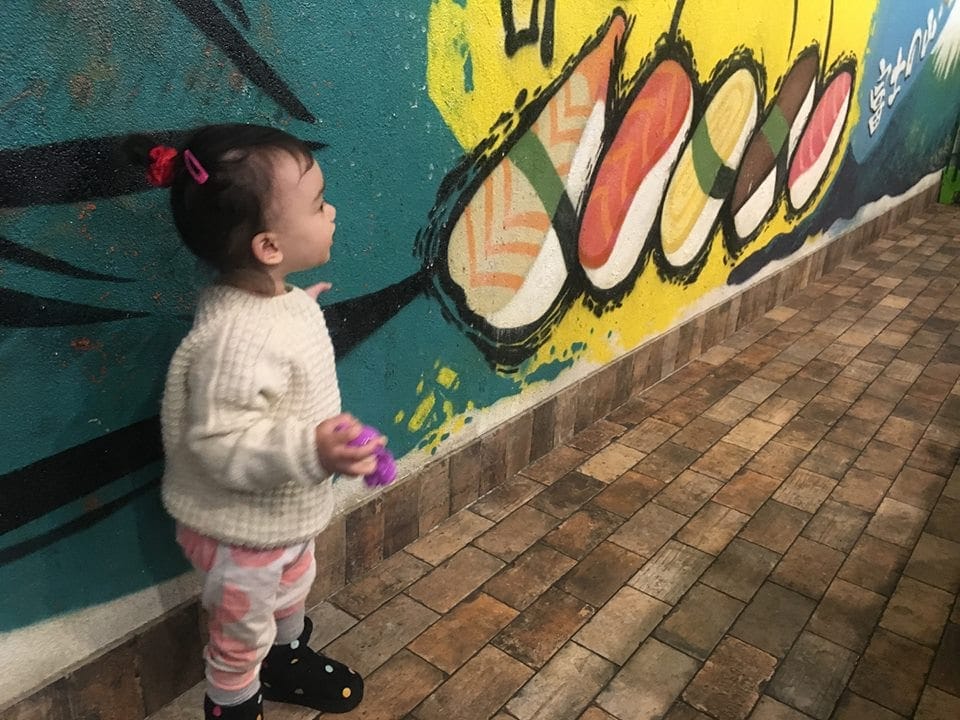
(252, 709)
(297, 675)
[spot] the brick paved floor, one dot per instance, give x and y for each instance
(773, 532)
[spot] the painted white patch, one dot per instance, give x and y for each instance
(540, 288)
(756, 207)
(585, 158)
(800, 122)
(946, 53)
(641, 215)
(807, 182)
(40, 653)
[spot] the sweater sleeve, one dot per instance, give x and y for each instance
(234, 432)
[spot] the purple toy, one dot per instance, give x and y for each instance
(386, 470)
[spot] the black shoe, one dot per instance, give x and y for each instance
(252, 709)
(297, 675)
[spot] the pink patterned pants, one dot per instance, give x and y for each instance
(253, 598)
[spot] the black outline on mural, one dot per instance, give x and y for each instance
(211, 21)
(16, 253)
(515, 39)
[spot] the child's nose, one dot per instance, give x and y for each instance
(333, 212)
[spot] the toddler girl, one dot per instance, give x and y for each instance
(252, 424)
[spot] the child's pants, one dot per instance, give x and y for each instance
(253, 598)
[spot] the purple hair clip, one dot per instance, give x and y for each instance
(195, 168)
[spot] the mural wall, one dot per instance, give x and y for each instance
(526, 189)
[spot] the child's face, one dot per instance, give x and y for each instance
(299, 217)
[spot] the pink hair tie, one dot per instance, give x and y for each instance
(195, 168)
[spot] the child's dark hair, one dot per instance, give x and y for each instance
(218, 217)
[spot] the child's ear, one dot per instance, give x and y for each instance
(265, 249)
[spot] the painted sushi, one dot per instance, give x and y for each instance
(763, 171)
(820, 139)
(505, 250)
(633, 175)
(704, 175)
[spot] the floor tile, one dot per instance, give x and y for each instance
(649, 683)
(544, 627)
(917, 611)
(529, 576)
(688, 492)
(380, 635)
(936, 562)
(945, 673)
(393, 575)
(478, 689)
(699, 621)
(854, 707)
(564, 687)
(555, 464)
(648, 530)
(773, 619)
(891, 672)
(451, 536)
(747, 491)
(597, 577)
(741, 569)
(395, 689)
(836, 525)
(813, 675)
(830, 459)
(506, 497)
(847, 615)
(649, 435)
(671, 572)
(897, 522)
(712, 528)
(775, 526)
(805, 490)
(611, 462)
(597, 436)
(515, 533)
(808, 567)
(459, 634)
(583, 531)
(729, 683)
(937, 705)
(452, 581)
(567, 495)
(620, 626)
(628, 494)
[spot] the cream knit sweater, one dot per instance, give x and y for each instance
(244, 393)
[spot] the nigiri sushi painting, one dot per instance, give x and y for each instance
(721, 135)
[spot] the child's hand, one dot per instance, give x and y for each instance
(315, 290)
(337, 455)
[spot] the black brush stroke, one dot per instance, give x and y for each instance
(675, 22)
(28, 547)
(350, 322)
(209, 19)
(826, 44)
(86, 169)
(22, 310)
(41, 487)
(793, 30)
(16, 253)
(239, 12)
